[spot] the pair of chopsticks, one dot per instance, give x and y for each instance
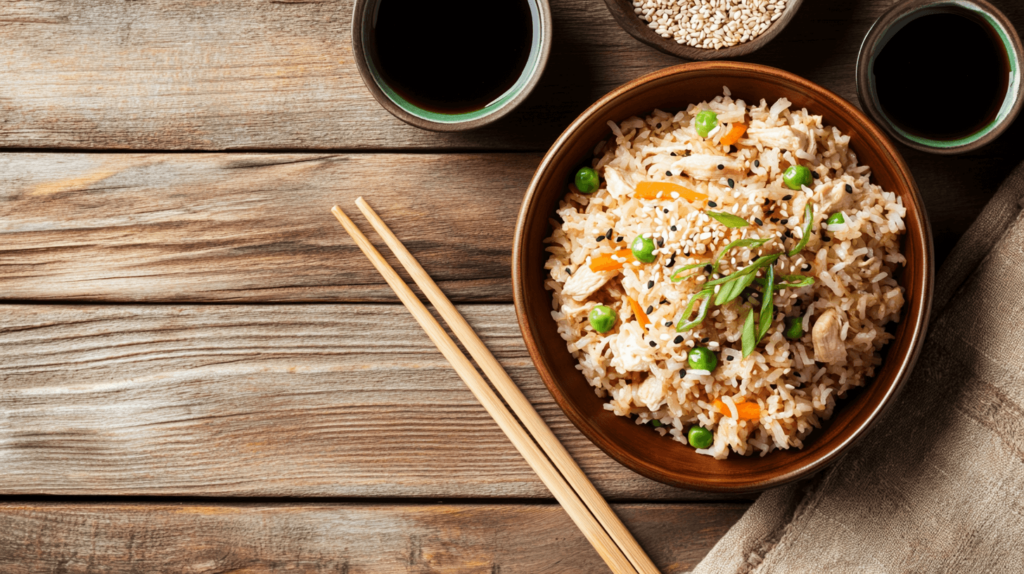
(564, 478)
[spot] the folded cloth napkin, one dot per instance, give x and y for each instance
(938, 484)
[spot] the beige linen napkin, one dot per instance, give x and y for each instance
(938, 484)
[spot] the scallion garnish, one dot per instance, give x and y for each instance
(751, 242)
(747, 338)
(728, 219)
(682, 324)
(768, 306)
(808, 225)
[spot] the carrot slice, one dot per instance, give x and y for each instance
(651, 189)
(606, 263)
(746, 411)
(641, 317)
(734, 134)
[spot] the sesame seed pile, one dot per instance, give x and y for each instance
(709, 24)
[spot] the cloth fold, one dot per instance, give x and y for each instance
(936, 486)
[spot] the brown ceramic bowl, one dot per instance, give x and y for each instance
(623, 12)
(639, 447)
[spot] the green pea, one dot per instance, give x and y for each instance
(794, 328)
(836, 219)
(643, 249)
(706, 121)
(796, 176)
(602, 318)
(700, 437)
(655, 423)
(587, 180)
(702, 359)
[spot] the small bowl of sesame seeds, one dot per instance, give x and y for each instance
(704, 29)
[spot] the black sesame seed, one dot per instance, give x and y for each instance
(773, 219)
(662, 302)
(721, 166)
(758, 221)
(668, 173)
(757, 163)
(659, 126)
(650, 284)
(668, 323)
(712, 204)
(653, 344)
(787, 198)
(728, 358)
(815, 175)
(708, 268)
(731, 183)
(849, 188)
(677, 340)
(619, 238)
(784, 221)
(826, 238)
(671, 262)
(673, 228)
(650, 309)
(661, 242)
(600, 237)
(568, 271)
(665, 210)
(682, 373)
(807, 267)
(674, 154)
(608, 234)
(705, 339)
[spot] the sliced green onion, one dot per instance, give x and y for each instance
(748, 339)
(728, 219)
(801, 281)
(752, 242)
(732, 290)
(768, 306)
(753, 267)
(675, 274)
(701, 314)
(808, 224)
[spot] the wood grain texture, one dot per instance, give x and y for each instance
(250, 227)
(271, 400)
(338, 538)
(265, 74)
(228, 227)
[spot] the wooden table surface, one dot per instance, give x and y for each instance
(199, 372)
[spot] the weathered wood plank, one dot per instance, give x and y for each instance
(338, 538)
(250, 227)
(226, 227)
(261, 74)
(272, 400)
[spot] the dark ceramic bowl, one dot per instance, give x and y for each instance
(903, 13)
(364, 16)
(623, 12)
(639, 447)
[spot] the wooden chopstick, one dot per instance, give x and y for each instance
(514, 397)
(561, 490)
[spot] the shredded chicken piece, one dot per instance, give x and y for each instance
(828, 346)
(651, 392)
(706, 166)
(617, 186)
(628, 349)
(783, 137)
(584, 282)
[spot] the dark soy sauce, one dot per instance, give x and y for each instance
(453, 56)
(942, 76)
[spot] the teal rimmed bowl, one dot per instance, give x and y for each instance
(363, 18)
(902, 14)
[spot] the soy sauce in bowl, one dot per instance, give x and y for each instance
(452, 57)
(943, 76)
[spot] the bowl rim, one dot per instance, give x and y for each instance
(905, 12)
(361, 55)
(622, 11)
(919, 322)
